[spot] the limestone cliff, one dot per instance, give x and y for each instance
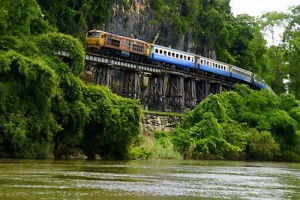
(137, 20)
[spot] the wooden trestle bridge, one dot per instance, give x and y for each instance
(158, 86)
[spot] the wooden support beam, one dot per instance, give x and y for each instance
(175, 93)
(130, 86)
(103, 75)
(155, 94)
(190, 93)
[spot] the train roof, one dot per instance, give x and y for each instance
(215, 61)
(174, 50)
(121, 36)
(241, 69)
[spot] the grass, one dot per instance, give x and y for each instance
(152, 148)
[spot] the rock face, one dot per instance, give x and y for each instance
(155, 122)
(137, 21)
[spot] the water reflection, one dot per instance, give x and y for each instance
(167, 179)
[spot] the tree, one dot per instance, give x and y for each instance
(262, 146)
(292, 38)
(113, 124)
(76, 17)
(44, 106)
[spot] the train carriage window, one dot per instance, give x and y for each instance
(134, 47)
(165, 53)
(180, 56)
(115, 43)
(184, 57)
(173, 55)
(156, 50)
(177, 55)
(109, 41)
(169, 53)
(141, 49)
(137, 47)
(160, 51)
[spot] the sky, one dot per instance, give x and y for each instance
(258, 7)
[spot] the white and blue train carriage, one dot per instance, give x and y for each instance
(258, 82)
(172, 56)
(212, 66)
(241, 74)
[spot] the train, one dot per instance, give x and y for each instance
(107, 43)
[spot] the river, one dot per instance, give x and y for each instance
(150, 179)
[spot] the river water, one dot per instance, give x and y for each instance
(150, 179)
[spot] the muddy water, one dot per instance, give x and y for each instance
(167, 179)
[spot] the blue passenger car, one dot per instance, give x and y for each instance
(259, 82)
(213, 66)
(172, 56)
(241, 74)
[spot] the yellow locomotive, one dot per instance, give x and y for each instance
(107, 43)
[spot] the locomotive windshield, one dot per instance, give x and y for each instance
(93, 34)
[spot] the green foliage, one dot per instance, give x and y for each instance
(295, 114)
(288, 102)
(248, 47)
(205, 137)
(27, 86)
(284, 129)
(44, 107)
(76, 17)
(241, 124)
(54, 42)
(292, 39)
(138, 149)
(262, 146)
(113, 124)
(159, 147)
(163, 148)
(213, 104)
(21, 18)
